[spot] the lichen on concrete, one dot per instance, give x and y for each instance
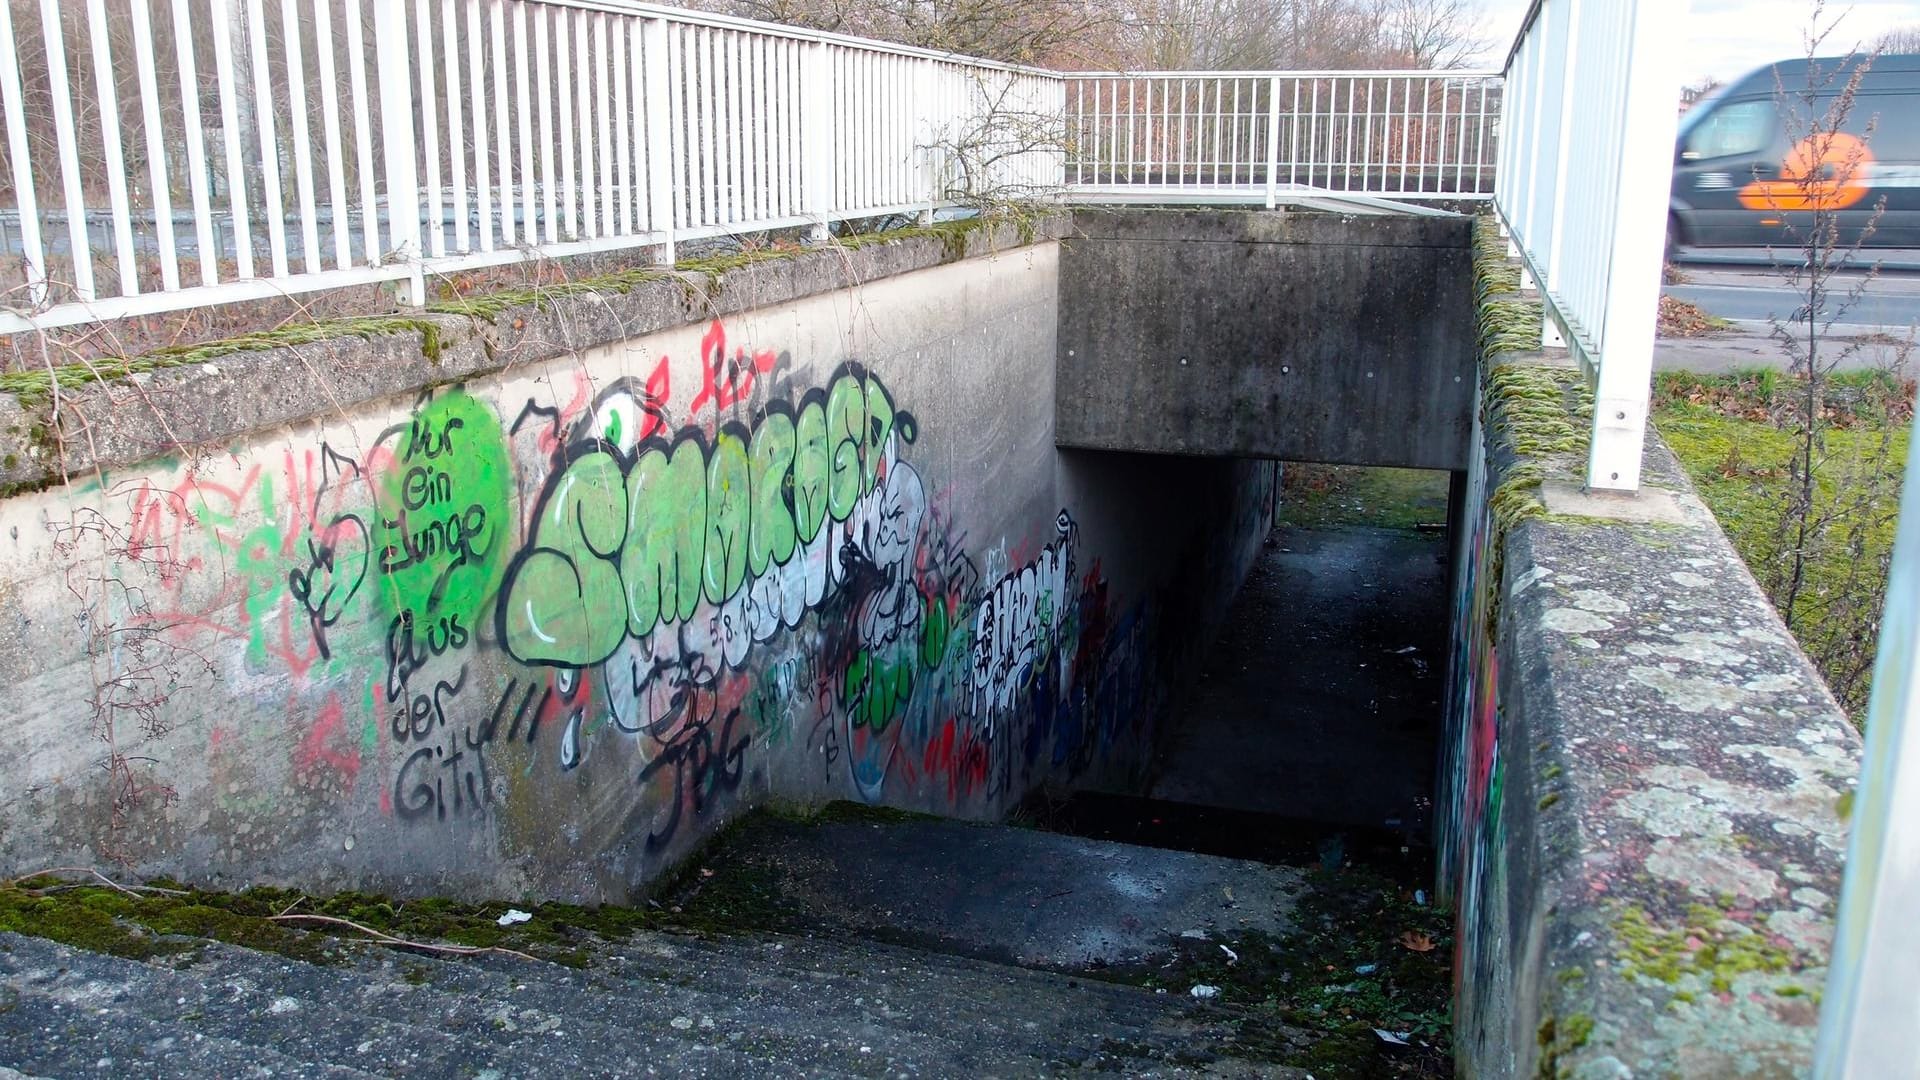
(1675, 777)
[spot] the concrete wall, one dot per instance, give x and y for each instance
(538, 610)
(1640, 818)
(1303, 336)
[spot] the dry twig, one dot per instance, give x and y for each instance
(130, 890)
(389, 939)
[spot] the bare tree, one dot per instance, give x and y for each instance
(1051, 32)
(1692, 95)
(1158, 34)
(1902, 39)
(1435, 33)
(1255, 34)
(1834, 503)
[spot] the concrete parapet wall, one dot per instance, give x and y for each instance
(1642, 815)
(530, 598)
(1302, 336)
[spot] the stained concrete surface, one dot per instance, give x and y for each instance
(1298, 336)
(1322, 700)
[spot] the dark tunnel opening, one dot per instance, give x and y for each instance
(1311, 734)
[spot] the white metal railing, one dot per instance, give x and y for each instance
(269, 147)
(1582, 189)
(1866, 1019)
(1265, 135)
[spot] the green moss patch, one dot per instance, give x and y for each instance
(1558, 1037)
(1540, 410)
(1709, 948)
(108, 920)
(1493, 273)
(170, 919)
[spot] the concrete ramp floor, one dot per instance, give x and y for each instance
(1019, 896)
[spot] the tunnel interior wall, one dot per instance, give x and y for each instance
(533, 604)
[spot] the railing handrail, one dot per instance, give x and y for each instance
(1264, 136)
(1289, 73)
(691, 124)
(720, 21)
(1526, 25)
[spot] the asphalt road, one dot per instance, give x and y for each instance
(1754, 294)
(1868, 334)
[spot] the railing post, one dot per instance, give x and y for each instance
(1530, 187)
(663, 139)
(1273, 142)
(1549, 330)
(817, 122)
(1639, 214)
(923, 126)
(396, 130)
(13, 96)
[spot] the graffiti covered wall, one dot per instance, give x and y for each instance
(544, 630)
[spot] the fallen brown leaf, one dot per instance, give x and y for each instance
(1415, 940)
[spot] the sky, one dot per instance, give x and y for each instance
(1728, 38)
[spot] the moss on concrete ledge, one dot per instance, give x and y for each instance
(1493, 272)
(488, 307)
(1669, 781)
(163, 917)
(404, 353)
(1537, 416)
(35, 388)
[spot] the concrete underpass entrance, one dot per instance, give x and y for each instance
(1297, 336)
(1310, 734)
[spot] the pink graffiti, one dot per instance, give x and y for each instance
(727, 381)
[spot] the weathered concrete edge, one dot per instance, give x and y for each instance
(1675, 769)
(1288, 225)
(156, 413)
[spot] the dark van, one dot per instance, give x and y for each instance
(1735, 170)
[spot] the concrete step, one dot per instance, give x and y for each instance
(921, 1011)
(381, 1013)
(969, 1005)
(504, 1006)
(85, 1029)
(1017, 896)
(901, 948)
(357, 1019)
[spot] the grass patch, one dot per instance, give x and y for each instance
(1314, 495)
(1725, 432)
